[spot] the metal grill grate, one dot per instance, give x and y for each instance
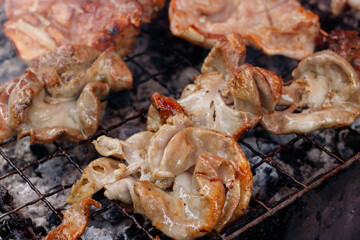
(283, 166)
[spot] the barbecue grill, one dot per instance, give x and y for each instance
(290, 171)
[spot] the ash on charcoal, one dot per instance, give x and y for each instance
(265, 142)
(305, 161)
(62, 172)
(102, 228)
(167, 64)
(18, 189)
(145, 90)
(15, 226)
(128, 131)
(261, 145)
(348, 141)
(272, 186)
(348, 144)
(265, 177)
(95, 233)
(52, 219)
(21, 154)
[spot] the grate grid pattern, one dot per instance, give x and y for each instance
(167, 64)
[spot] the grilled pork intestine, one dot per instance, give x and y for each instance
(59, 96)
(276, 27)
(36, 26)
(150, 9)
(75, 220)
(338, 6)
(197, 179)
(324, 94)
(229, 96)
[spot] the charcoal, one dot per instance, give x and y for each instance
(164, 63)
(16, 226)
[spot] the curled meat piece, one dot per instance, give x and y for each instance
(95, 176)
(36, 26)
(230, 107)
(161, 109)
(124, 191)
(59, 98)
(175, 149)
(324, 94)
(157, 147)
(276, 27)
(67, 69)
(133, 150)
(172, 154)
(166, 106)
(74, 222)
(168, 176)
(17, 8)
(194, 206)
(229, 96)
(6, 132)
(338, 6)
(109, 173)
(105, 171)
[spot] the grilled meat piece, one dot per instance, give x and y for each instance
(59, 97)
(36, 26)
(229, 96)
(197, 179)
(74, 222)
(324, 94)
(276, 27)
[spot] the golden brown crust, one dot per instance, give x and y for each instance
(276, 27)
(324, 93)
(229, 96)
(166, 106)
(6, 88)
(89, 104)
(37, 26)
(168, 214)
(95, 176)
(25, 91)
(188, 181)
(59, 97)
(150, 9)
(74, 222)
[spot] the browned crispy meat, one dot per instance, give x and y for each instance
(324, 94)
(275, 26)
(166, 106)
(229, 96)
(59, 97)
(6, 88)
(95, 176)
(36, 26)
(74, 222)
(344, 43)
(17, 8)
(150, 9)
(188, 181)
